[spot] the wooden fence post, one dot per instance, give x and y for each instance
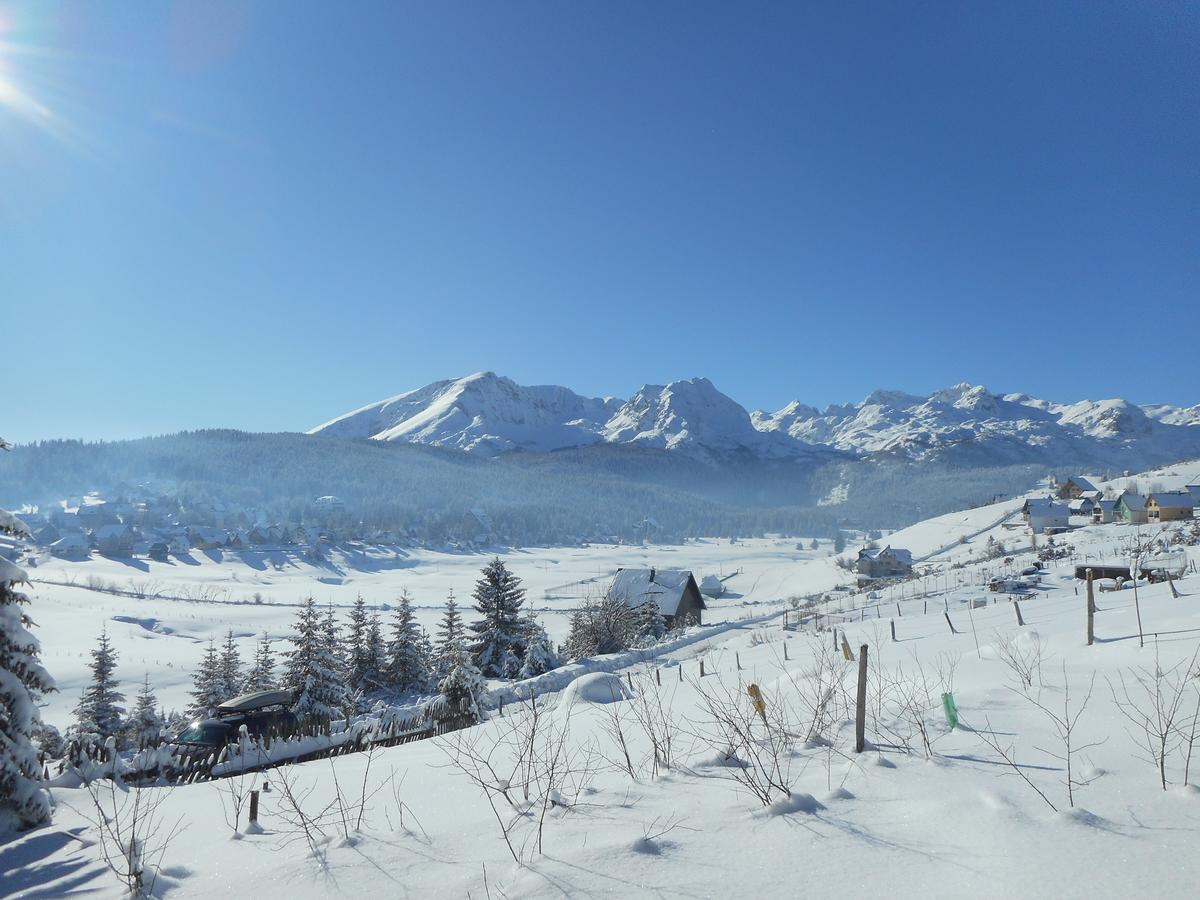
(701, 668)
(1017, 607)
(893, 630)
(925, 611)
(1171, 582)
(658, 677)
(680, 673)
(860, 707)
(1091, 611)
(785, 653)
(738, 659)
(898, 613)
(847, 653)
(951, 624)
(254, 807)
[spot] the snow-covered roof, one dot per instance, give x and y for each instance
(1132, 501)
(895, 553)
(1045, 506)
(71, 539)
(1106, 505)
(1080, 482)
(1172, 500)
(665, 586)
(1083, 503)
(111, 531)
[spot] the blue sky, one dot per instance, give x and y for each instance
(262, 215)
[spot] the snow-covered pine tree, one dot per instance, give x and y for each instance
(145, 725)
(539, 649)
(230, 667)
(358, 671)
(333, 640)
(498, 638)
(450, 634)
(376, 652)
(261, 676)
(463, 688)
(600, 626)
(208, 684)
(99, 711)
(312, 669)
(24, 803)
(406, 667)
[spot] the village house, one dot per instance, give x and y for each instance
(1081, 507)
(1045, 514)
(1169, 506)
(114, 540)
(71, 545)
(884, 562)
(1131, 509)
(329, 504)
(1103, 511)
(674, 590)
(1073, 488)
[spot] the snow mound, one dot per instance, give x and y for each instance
(838, 794)
(797, 802)
(596, 687)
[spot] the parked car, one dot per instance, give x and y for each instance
(262, 712)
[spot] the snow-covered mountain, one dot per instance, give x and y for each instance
(481, 413)
(965, 424)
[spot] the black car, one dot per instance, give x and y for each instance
(262, 712)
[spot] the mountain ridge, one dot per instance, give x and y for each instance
(488, 414)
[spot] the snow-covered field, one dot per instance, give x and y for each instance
(166, 637)
(956, 820)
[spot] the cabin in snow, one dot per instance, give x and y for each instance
(1073, 488)
(1045, 513)
(329, 504)
(674, 590)
(114, 540)
(1131, 509)
(884, 562)
(1081, 507)
(1103, 511)
(71, 545)
(1169, 506)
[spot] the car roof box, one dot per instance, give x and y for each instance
(255, 700)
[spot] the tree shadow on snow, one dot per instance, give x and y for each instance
(25, 867)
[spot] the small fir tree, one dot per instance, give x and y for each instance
(406, 667)
(498, 640)
(376, 652)
(261, 676)
(208, 684)
(463, 688)
(230, 667)
(99, 711)
(358, 669)
(649, 624)
(450, 635)
(145, 725)
(539, 650)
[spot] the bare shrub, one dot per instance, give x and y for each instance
(133, 834)
(1024, 656)
(1064, 724)
(1152, 703)
(527, 767)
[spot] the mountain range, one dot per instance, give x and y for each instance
(966, 424)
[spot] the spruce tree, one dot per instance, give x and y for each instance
(406, 667)
(261, 676)
(24, 803)
(333, 640)
(145, 726)
(99, 711)
(230, 668)
(376, 652)
(208, 684)
(498, 644)
(450, 635)
(358, 669)
(312, 668)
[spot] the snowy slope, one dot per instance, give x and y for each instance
(965, 424)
